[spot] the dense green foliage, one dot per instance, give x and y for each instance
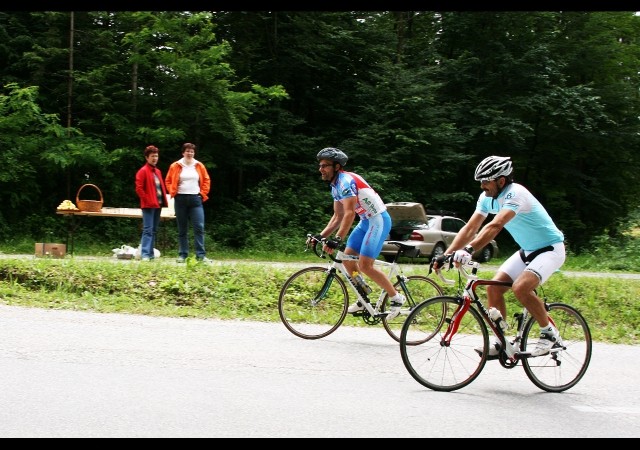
(416, 98)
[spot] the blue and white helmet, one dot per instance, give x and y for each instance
(493, 167)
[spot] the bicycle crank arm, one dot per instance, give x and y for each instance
(527, 354)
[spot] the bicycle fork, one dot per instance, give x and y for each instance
(454, 322)
(331, 274)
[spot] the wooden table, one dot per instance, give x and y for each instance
(131, 213)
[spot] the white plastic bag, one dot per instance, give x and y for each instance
(156, 252)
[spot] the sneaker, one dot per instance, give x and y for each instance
(494, 351)
(146, 258)
(546, 342)
(181, 260)
(204, 260)
(396, 304)
(356, 307)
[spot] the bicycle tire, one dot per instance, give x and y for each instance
(436, 364)
(419, 289)
(559, 371)
(313, 303)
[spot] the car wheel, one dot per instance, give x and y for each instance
(388, 258)
(438, 250)
(486, 254)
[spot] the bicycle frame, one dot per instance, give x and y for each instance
(391, 269)
(471, 297)
(313, 302)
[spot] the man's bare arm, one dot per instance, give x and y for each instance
(466, 233)
(491, 230)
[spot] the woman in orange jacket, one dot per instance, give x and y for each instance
(152, 192)
(188, 182)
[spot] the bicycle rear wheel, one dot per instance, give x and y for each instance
(419, 288)
(559, 370)
(444, 363)
(313, 303)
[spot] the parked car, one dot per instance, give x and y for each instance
(431, 233)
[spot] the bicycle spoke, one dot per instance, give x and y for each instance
(561, 370)
(438, 363)
(419, 288)
(311, 305)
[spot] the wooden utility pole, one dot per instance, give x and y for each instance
(70, 93)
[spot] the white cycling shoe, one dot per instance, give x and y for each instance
(546, 343)
(493, 353)
(395, 303)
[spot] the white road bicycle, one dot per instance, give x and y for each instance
(313, 302)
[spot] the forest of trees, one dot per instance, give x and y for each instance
(415, 98)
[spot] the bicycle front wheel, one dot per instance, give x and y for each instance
(562, 369)
(447, 359)
(418, 289)
(313, 303)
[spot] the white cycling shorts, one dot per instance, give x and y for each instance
(543, 265)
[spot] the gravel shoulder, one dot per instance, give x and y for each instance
(489, 267)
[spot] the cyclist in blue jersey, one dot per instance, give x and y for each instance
(352, 196)
(541, 253)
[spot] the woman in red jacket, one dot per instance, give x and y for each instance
(152, 191)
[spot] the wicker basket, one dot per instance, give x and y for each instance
(89, 205)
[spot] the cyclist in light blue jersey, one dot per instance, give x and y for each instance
(352, 196)
(541, 253)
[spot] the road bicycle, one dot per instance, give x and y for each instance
(455, 329)
(313, 302)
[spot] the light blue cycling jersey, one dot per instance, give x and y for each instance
(368, 202)
(532, 227)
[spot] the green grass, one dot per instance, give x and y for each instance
(242, 290)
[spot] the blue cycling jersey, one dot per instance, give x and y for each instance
(368, 236)
(532, 227)
(349, 184)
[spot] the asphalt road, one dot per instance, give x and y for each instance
(83, 374)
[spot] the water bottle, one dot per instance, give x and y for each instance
(496, 317)
(360, 282)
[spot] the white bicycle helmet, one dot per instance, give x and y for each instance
(493, 167)
(333, 154)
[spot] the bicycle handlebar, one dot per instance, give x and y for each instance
(448, 261)
(312, 242)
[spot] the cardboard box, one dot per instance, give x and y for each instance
(50, 250)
